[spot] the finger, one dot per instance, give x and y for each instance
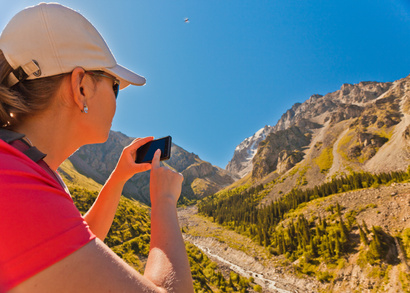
(155, 160)
(139, 142)
(142, 167)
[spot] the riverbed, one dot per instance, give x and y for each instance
(266, 284)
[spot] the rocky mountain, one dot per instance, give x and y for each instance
(98, 160)
(241, 163)
(337, 166)
(362, 126)
(280, 151)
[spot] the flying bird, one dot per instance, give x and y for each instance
(186, 20)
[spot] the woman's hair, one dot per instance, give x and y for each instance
(25, 98)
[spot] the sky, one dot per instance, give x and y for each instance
(238, 65)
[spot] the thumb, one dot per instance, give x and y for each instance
(155, 159)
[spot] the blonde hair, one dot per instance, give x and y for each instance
(25, 98)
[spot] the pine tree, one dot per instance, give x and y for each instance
(338, 209)
(365, 229)
(375, 251)
(260, 235)
(338, 249)
(266, 240)
(344, 233)
(363, 237)
(329, 246)
(313, 247)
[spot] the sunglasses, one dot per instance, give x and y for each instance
(115, 86)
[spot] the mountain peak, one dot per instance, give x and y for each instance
(315, 113)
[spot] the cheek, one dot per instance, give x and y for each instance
(115, 106)
(112, 107)
(110, 104)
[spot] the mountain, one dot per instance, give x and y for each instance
(362, 126)
(98, 160)
(322, 205)
(325, 191)
(241, 163)
(280, 151)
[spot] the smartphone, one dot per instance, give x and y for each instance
(145, 153)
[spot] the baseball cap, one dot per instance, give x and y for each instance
(50, 39)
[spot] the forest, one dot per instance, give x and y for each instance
(129, 238)
(320, 238)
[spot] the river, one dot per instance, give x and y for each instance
(265, 283)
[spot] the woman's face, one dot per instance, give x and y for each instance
(101, 109)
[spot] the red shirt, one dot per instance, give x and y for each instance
(39, 223)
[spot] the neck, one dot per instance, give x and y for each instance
(52, 136)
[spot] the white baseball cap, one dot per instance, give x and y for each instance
(50, 39)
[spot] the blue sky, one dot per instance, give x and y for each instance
(239, 65)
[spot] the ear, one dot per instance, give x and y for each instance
(78, 86)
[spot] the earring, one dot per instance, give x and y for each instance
(85, 110)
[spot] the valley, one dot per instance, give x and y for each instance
(388, 206)
(238, 253)
(320, 202)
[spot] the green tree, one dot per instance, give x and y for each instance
(363, 237)
(257, 288)
(374, 254)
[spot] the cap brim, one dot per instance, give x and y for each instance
(126, 76)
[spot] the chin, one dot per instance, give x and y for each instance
(107, 134)
(103, 138)
(98, 138)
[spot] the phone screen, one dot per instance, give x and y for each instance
(146, 152)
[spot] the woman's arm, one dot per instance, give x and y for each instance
(101, 214)
(92, 268)
(167, 261)
(95, 268)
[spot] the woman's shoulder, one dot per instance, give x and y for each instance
(12, 157)
(16, 166)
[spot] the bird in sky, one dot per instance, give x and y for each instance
(186, 20)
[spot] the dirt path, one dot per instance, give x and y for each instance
(337, 165)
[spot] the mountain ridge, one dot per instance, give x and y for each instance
(319, 112)
(97, 161)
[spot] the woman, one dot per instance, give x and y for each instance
(58, 86)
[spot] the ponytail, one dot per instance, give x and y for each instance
(10, 102)
(24, 98)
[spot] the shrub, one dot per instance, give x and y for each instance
(324, 277)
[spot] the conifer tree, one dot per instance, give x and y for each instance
(365, 229)
(363, 237)
(375, 248)
(338, 210)
(344, 232)
(337, 247)
(313, 248)
(329, 246)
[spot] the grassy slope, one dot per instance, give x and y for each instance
(386, 207)
(73, 178)
(129, 237)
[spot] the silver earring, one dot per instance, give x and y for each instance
(85, 110)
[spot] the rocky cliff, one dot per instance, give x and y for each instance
(368, 114)
(241, 163)
(280, 150)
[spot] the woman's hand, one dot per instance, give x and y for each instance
(126, 166)
(165, 184)
(102, 212)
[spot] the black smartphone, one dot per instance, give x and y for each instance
(145, 153)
